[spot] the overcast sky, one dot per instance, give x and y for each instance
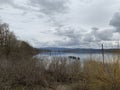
(63, 23)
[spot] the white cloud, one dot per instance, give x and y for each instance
(62, 22)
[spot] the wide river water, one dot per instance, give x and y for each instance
(82, 56)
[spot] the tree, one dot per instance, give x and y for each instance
(10, 46)
(8, 41)
(4, 31)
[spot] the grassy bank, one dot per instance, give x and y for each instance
(35, 73)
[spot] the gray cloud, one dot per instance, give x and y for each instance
(98, 35)
(13, 4)
(115, 21)
(105, 34)
(52, 10)
(6, 1)
(50, 7)
(70, 37)
(89, 38)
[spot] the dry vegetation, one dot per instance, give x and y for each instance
(20, 71)
(35, 73)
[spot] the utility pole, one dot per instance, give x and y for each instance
(118, 49)
(103, 53)
(118, 45)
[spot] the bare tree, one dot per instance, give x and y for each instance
(8, 40)
(4, 30)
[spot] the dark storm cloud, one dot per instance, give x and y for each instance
(50, 7)
(115, 21)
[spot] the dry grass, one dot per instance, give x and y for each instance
(32, 73)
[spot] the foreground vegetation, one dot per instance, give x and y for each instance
(49, 75)
(20, 71)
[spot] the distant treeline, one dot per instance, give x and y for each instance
(78, 50)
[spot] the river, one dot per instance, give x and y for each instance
(81, 56)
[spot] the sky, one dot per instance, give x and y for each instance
(64, 23)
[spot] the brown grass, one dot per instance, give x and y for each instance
(33, 73)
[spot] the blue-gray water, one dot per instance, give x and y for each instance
(81, 56)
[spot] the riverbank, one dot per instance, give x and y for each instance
(59, 73)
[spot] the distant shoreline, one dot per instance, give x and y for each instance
(77, 50)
